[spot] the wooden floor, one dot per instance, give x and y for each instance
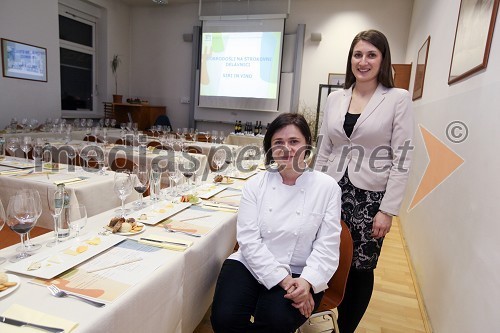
(394, 307)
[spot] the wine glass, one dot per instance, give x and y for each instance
(207, 135)
(188, 172)
(2, 223)
(123, 188)
(107, 122)
(71, 151)
(221, 137)
(174, 175)
(141, 181)
(77, 214)
(215, 135)
(13, 145)
(23, 211)
(26, 146)
(219, 158)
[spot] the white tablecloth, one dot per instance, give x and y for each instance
(172, 299)
(244, 140)
(96, 192)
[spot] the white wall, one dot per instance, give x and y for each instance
(453, 233)
(36, 22)
(32, 22)
(161, 60)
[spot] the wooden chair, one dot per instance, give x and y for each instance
(108, 110)
(122, 163)
(92, 138)
(155, 144)
(9, 237)
(336, 286)
(122, 142)
(194, 150)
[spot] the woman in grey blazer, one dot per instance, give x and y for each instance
(365, 144)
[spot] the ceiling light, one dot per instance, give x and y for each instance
(160, 2)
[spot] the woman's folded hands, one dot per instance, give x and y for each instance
(297, 290)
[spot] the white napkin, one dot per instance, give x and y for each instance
(19, 312)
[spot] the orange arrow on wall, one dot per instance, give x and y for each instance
(442, 163)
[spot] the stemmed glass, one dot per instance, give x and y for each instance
(77, 219)
(26, 146)
(107, 122)
(123, 188)
(188, 172)
(174, 175)
(23, 211)
(219, 158)
(207, 135)
(215, 135)
(13, 145)
(2, 223)
(141, 181)
(55, 211)
(221, 137)
(71, 151)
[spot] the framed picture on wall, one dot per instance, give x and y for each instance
(24, 61)
(418, 86)
(475, 25)
(336, 79)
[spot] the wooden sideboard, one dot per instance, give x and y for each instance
(142, 114)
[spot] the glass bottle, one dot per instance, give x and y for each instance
(61, 204)
(2, 148)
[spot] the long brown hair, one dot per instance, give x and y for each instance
(377, 39)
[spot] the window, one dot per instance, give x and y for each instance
(77, 48)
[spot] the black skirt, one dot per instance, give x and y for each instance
(359, 207)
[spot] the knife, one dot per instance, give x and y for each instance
(163, 242)
(19, 323)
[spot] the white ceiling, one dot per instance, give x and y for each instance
(170, 2)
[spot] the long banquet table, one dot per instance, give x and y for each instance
(173, 298)
(95, 192)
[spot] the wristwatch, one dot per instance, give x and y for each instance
(388, 214)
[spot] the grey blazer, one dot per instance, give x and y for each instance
(378, 153)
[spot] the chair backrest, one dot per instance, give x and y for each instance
(92, 138)
(194, 150)
(336, 286)
(108, 110)
(122, 163)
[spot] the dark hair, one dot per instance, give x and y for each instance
(377, 39)
(281, 121)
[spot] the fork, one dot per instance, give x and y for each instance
(60, 293)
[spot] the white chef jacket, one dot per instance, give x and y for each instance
(285, 229)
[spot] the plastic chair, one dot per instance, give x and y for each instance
(336, 286)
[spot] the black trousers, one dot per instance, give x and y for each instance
(238, 296)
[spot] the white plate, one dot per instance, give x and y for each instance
(225, 181)
(56, 260)
(12, 278)
(209, 190)
(243, 175)
(198, 200)
(160, 211)
(130, 232)
(17, 164)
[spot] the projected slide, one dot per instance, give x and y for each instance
(240, 64)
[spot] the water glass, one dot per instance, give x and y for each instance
(77, 214)
(123, 188)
